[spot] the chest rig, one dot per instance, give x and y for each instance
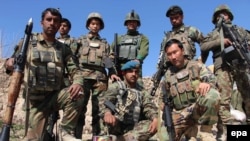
(129, 103)
(185, 38)
(128, 47)
(181, 86)
(46, 66)
(92, 52)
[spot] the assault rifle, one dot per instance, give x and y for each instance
(239, 48)
(116, 54)
(161, 69)
(112, 107)
(16, 81)
(48, 134)
(167, 114)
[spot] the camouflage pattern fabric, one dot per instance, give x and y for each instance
(95, 83)
(227, 74)
(137, 130)
(204, 111)
(188, 36)
(42, 102)
(54, 101)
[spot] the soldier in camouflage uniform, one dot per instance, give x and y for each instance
(131, 46)
(46, 60)
(136, 116)
(188, 35)
(226, 72)
(191, 87)
(67, 40)
(92, 56)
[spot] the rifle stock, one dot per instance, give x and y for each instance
(15, 84)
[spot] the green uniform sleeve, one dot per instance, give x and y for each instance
(72, 68)
(144, 47)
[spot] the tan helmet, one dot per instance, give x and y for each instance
(220, 9)
(132, 16)
(94, 15)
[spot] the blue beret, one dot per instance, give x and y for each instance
(130, 65)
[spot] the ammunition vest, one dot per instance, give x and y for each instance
(67, 41)
(182, 87)
(129, 104)
(92, 52)
(128, 47)
(185, 39)
(45, 72)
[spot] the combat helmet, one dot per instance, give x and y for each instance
(220, 9)
(132, 16)
(175, 9)
(97, 16)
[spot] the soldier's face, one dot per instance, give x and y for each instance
(131, 75)
(64, 29)
(224, 14)
(50, 24)
(95, 25)
(132, 25)
(176, 20)
(175, 55)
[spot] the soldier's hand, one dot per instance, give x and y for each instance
(153, 126)
(75, 91)
(114, 77)
(227, 42)
(203, 88)
(9, 64)
(109, 118)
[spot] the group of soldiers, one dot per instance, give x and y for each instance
(62, 73)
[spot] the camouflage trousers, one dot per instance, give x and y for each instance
(242, 79)
(42, 105)
(92, 88)
(137, 132)
(203, 113)
(225, 80)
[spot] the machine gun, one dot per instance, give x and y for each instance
(161, 69)
(239, 49)
(16, 81)
(167, 114)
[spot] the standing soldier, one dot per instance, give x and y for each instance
(131, 46)
(135, 118)
(92, 56)
(64, 32)
(188, 35)
(46, 60)
(67, 40)
(227, 71)
(191, 88)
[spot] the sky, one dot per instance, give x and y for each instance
(14, 15)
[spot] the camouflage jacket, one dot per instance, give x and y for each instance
(88, 71)
(66, 55)
(148, 109)
(212, 42)
(66, 39)
(194, 35)
(197, 73)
